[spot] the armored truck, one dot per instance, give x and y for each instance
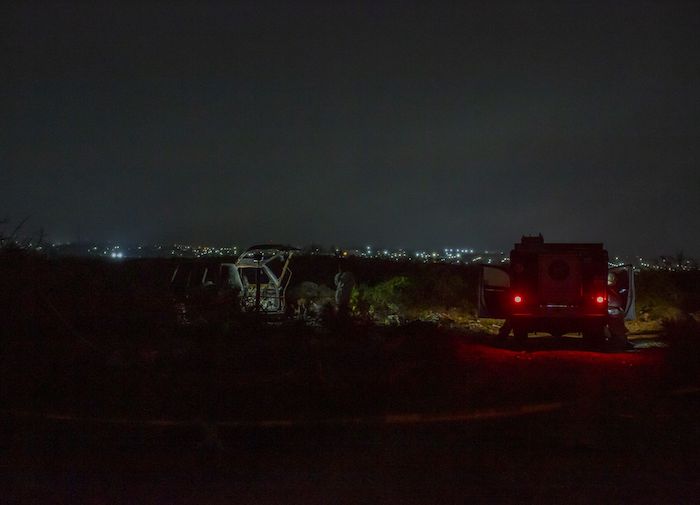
(558, 288)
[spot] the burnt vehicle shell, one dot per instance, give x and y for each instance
(265, 274)
(557, 288)
(205, 290)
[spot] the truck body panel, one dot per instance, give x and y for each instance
(556, 288)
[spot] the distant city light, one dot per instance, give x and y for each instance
(447, 255)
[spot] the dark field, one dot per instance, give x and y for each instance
(106, 400)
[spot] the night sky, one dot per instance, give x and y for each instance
(406, 125)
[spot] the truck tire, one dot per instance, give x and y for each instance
(594, 334)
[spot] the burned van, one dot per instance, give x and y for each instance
(265, 274)
(205, 290)
(558, 288)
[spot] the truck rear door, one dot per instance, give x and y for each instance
(559, 281)
(494, 290)
(621, 293)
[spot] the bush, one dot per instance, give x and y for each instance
(382, 300)
(659, 296)
(414, 297)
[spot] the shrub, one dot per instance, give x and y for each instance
(412, 297)
(382, 300)
(658, 296)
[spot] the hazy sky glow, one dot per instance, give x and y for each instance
(416, 125)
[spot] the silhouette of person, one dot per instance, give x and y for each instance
(344, 283)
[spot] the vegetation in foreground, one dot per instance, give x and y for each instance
(105, 300)
(102, 337)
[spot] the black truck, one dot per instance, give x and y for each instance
(558, 288)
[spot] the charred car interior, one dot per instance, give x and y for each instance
(265, 275)
(205, 289)
(256, 283)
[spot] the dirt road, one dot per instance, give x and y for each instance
(401, 416)
(552, 456)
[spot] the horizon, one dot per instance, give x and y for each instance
(373, 250)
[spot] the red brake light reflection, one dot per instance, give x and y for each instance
(517, 299)
(600, 299)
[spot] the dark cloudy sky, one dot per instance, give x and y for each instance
(417, 125)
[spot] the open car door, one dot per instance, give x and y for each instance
(494, 288)
(621, 294)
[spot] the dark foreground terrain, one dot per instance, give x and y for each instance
(550, 457)
(355, 414)
(104, 398)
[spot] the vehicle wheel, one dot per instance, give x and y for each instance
(501, 337)
(594, 335)
(503, 333)
(520, 334)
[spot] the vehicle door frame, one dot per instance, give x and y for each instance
(493, 298)
(629, 309)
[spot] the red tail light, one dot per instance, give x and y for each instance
(518, 299)
(600, 299)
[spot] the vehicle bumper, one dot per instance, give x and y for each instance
(559, 323)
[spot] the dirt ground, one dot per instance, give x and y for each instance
(412, 414)
(285, 372)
